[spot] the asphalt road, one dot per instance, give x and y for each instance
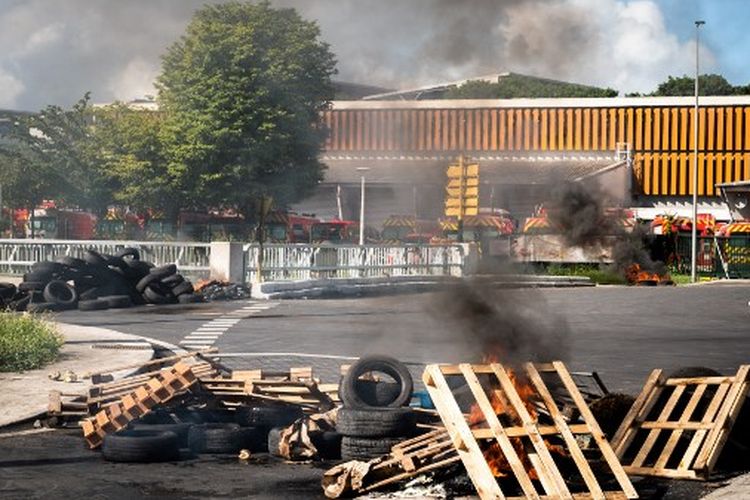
(620, 332)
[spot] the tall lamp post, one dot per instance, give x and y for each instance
(362, 205)
(694, 234)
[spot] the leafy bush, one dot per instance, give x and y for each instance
(27, 342)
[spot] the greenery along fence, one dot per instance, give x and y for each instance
(720, 256)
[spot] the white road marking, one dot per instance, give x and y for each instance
(196, 342)
(196, 335)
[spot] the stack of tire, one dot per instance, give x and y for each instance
(165, 436)
(96, 282)
(374, 416)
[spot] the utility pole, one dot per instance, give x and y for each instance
(694, 234)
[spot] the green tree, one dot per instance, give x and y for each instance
(52, 155)
(514, 86)
(242, 91)
(130, 150)
(709, 85)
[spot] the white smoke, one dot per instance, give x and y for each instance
(53, 51)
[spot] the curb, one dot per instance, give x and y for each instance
(357, 287)
(37, 382)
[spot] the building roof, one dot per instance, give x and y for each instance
(556, 102)
(499, 170)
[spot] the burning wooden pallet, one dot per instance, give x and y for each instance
(412, 457)
(506, 436)
(677, 427)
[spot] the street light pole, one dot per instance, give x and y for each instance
(362, 206)
(694, 234)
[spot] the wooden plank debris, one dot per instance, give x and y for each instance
(699, 411)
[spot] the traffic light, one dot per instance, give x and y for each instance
(462, 189)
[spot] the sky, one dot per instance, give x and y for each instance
(53, 51)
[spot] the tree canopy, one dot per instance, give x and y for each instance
(709, 84)
(517, 86)
(242, 91)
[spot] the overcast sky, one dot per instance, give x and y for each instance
(53, 51)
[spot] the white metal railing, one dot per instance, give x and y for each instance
(17, 255)
(302, 262)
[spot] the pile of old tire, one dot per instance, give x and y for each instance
(98, 281)
(374, 416)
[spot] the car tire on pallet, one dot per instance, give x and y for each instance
(375, 422)
(267, 416)
(181, 430)
(61, 293)
(93, 305)
(140, 445)
(390, 366)
(359, 448)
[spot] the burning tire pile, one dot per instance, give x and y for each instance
(97, 282)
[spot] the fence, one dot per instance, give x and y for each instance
(17, 255)
(301, 262)
(721, 256)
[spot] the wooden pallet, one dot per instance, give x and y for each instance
(409, 458)
(677, 427)
(520, 424)
(302, 392)
(157, 390)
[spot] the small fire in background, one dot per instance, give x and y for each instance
(640, 277)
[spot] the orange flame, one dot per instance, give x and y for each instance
(508, 415)
(637, 276)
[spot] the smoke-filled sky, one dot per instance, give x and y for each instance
(53, 51)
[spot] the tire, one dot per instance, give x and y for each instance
(94, 258)
(328, 444)
(32, 286)
(146, 281)
(73, 262)
(183, 288)
(140, 265)
(267, 416)
(154, 296)
(60, 292)
(93, 305)
(357, 448)
(164, 271)
(174, 280)
(7, 291)
(181, 430)
(21, 304)
(119, 264)
(610, 410)
(375, 422)
(47, 267)
(377, 393)
(117, 301)
(139, 445)
(190, 298)
(42, 307)
(226, 438)
(131, 252)
(348, 389)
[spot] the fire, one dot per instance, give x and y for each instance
(508, 416)
(637, 276)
